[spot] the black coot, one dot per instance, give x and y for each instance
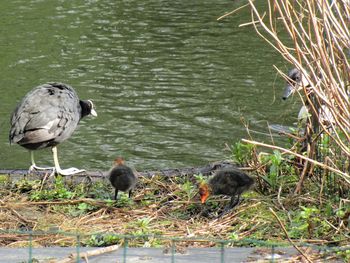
(296, 81)
(122, 177)
(47, 116)
(227, 181)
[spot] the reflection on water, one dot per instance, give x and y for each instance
(170, 83)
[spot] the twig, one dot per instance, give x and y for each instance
(302, 177)
(73, 257)
(286, 233)
(252, 22)
(233, 11)
(14, 212)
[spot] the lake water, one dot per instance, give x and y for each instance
(170, 82)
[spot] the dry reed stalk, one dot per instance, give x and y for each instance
(289, 239)
(85, 255)
(319, 46)
(14, 212)
(232, 12)
(345, 176)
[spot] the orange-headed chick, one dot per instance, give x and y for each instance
(122, 177)
(227, 181)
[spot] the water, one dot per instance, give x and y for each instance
(170, 83)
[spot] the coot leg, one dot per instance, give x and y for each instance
(226, 211)
(116, 194)
(34, 167)
(233, 202)
(58, 170)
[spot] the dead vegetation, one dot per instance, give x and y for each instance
(314, 37)
(160, 207)
(162, 210)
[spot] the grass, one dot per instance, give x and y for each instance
(160, 206)
(169, 207)
(165, 208)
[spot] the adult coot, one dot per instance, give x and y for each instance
(47, 116)
(297, 81)
(227, 181)
(122, 177)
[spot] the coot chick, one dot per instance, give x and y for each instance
(122, 177)
(227, 181)
(47, 116)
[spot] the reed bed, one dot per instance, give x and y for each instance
(314, 37)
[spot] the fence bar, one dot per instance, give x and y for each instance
(221, 243)
(222, 252)
(172, 251)
(30, 247)
(78, 248)
(273, 253)
(126, 241)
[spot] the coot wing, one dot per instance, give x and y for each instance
(49, 112)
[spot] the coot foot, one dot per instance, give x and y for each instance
(69, 171)
(226, 211)
(58, 170)
(233, 202)
(228, 208)
(34, 166)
